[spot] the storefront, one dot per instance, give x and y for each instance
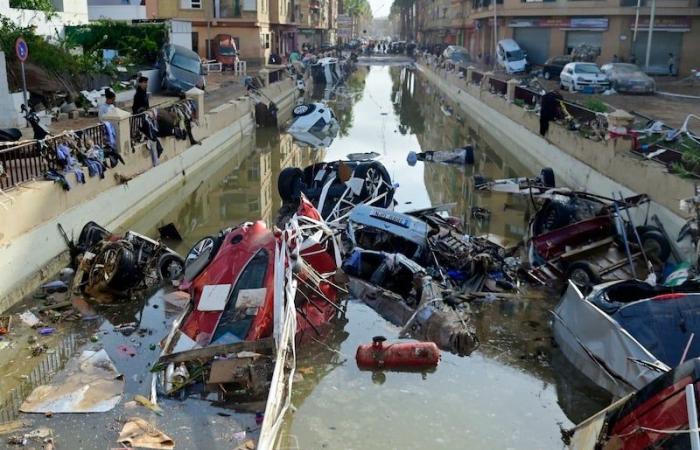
(535, 42)
(667, 38)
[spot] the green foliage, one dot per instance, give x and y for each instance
(596, 105)
(139, 43)
(41, 53)
(39, 5)
(519, 102)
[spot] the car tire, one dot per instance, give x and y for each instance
(547, 75)
(289, 184)
(583, 275)
(480, 181)
(547, 177)
(373, 173)
(200, 255)
(115, 267)
(303, 109)
(561, 85)
(572, 87)
(171, 267)
(656, 245)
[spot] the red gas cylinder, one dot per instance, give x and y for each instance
(405, 355)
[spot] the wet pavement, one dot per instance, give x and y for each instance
(516, 391)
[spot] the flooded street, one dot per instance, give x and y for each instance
(515, 392)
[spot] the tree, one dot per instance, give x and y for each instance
(38, 5)
(359, 11)
(404, 9)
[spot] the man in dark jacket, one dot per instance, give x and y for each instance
(141, 96)
(550, 110)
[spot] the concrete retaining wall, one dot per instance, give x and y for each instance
(598, 167)
(31, 247)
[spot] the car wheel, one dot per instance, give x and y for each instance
(572, 86)
(115, 267)
(469, 155)
(547, 75)
(583, 275)
(289, 184)
(561, 85)
(376, 180)
(303, 110)
(655, 245)
(200, 255)
(170, 267)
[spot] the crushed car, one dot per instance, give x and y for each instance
(625, 334)
(238, 282)
(117, 264)
(401, 291)
(336, 187)
(584, 237)
(518, 185)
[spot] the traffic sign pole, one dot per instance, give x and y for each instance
(22, 51)
(24, 84)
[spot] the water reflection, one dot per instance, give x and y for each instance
(517, 390)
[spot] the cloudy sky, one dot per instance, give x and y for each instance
(380, 8)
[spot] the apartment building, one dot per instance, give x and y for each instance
(318, 22)
(546, 28)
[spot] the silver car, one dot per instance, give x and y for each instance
(629, 78)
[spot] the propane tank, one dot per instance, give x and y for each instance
(404, 355)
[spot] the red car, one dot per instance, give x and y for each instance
(231, 280)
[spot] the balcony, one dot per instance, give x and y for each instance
(237, 9)
(117, 12)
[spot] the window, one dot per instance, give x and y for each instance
(250, 5)
(191, 4)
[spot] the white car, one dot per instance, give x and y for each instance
(584, 77)
(314, 124)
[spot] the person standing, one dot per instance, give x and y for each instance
(140, 103)
(108, 105)
(550, 110)
(671, 63)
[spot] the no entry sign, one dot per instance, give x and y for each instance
(21, 49)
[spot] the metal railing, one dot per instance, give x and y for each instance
(477, 77)
(527, 96)
(30, 160)
(498, 86)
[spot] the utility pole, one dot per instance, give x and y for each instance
(495, 33)
(651, 32)
(636, 23)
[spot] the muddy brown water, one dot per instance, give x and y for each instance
(515, 392)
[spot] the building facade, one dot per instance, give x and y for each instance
(550, 28)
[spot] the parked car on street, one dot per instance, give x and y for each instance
(625, 77)
(510, 56)
(459, 56)
(554, 65)
(584, 77)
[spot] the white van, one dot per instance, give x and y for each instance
(510, 56)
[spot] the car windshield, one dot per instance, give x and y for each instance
(227, 51)
(587, 68)
(515, 55)
(185, 63)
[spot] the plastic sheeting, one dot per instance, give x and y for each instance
(600, 348)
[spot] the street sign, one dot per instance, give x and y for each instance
(21, 49)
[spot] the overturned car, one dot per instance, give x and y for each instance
(336, 187)
(114, 264)
(314, 125)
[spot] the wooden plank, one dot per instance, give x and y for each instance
(208, 353)
(586, 248)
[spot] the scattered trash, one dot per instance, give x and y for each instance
(139, 433)
(55, 286)
(46, 331)
(89, 383)
(464, 155)
(126, 351)
(29, 318)
(148, 404)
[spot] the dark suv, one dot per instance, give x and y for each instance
(554, 65)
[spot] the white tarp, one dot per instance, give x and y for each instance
(89, 383)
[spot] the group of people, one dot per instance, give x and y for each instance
(140, 102)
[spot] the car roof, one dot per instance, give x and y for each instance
(509, 44)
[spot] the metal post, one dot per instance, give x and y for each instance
(24, 89)
(651, 32)
(692, 416)
(636, 22)
(495, 34)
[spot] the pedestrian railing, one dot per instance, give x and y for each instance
(30, 160)
(498, 86)
(477, 77)
(527, 96)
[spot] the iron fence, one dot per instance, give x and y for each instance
(527, 96)
(498, 86)
(477, 77)
(30, 160)
(42, 373)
